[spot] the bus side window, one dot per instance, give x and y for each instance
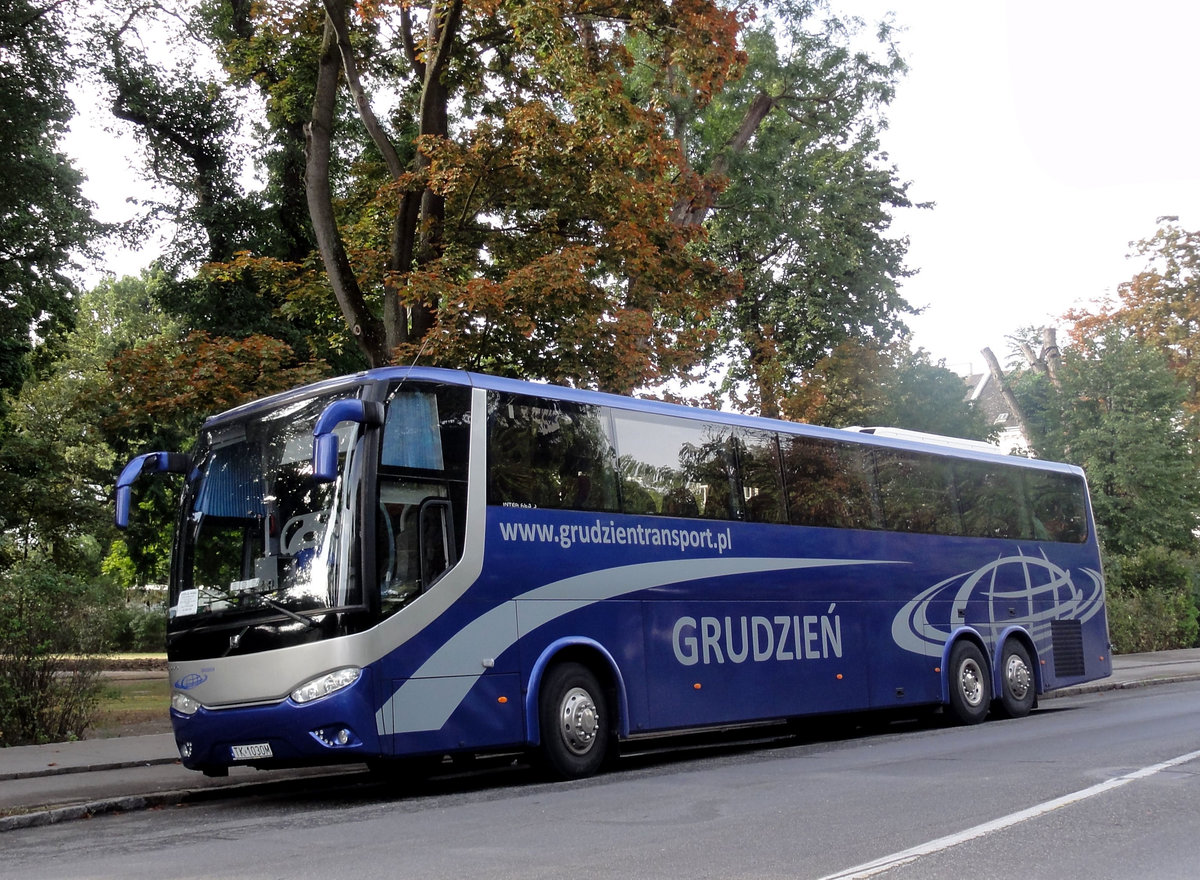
(1056, 501)
(760, 477)
(677, 467)
(828, 484)
(991, 501)
(916, 493)
(548, 453)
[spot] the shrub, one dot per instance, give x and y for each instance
(1152, 600)
(138, 628)
(51, 636)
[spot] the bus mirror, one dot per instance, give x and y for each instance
(325, 441)
(150, 463)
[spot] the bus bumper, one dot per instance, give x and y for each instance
(336, 728)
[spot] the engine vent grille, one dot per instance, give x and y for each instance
(1066, 638)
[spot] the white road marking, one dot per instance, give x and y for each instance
(871, 869)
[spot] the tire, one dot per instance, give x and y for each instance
(970, 684)
(576, 730)
(1018, 690)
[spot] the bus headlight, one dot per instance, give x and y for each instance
(326, 684)
(183, 704)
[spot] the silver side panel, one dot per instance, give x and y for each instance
(270, 676)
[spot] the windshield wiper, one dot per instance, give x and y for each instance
(307, 621)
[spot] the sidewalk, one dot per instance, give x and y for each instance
(45, 784)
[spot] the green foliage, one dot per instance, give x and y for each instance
(1152, 600)
(56, 467)
(1121, 411)
(44, 218)
(1150, 620)
(135, 627)
(49, 653)
(1120, 415)
(804, 217)
(863, 383)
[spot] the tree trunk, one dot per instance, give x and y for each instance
(693, 211)
(1005, 388)
(367, 329)
(1051, 355)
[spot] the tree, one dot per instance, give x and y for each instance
(531, 230)
(527, 188)
(797, 198)
(49, 669)
(865, 383)
(56, 467)
(44, 219)
(1159, 306)
(1121, 416)
(237, 257)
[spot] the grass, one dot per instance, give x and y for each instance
(132, 706)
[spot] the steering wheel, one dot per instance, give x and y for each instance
(301, 532)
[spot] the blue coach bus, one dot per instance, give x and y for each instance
(425, 562)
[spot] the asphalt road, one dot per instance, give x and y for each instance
(1091, 786)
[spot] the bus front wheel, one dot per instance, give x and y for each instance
(970, 687)
(1017, 691)
(575, 727)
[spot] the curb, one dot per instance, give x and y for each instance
(86, 768)
(54, 816)
(171, 798)
(1103, 686)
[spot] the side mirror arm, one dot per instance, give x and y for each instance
(325, 441)
(150, 463)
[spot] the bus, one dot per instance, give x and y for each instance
(427, 562)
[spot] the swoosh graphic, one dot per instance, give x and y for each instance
(428, 699)
(913, 630)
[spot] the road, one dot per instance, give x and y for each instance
(1098, 785)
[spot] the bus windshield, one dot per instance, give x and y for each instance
(259, 535)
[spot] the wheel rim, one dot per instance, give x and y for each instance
(578, 721)
(970, 682)
(1017, 677)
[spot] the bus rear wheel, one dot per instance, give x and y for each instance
(970, 685)
(1017, 691)
(575, 727)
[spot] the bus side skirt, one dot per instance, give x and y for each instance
(549, 655)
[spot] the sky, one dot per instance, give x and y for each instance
(1049, 134)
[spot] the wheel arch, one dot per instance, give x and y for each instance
(996, 658)
(968, 634)
(595, 657)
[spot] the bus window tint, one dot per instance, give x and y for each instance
(828, 484)
(762, 481)
(916, 493)
(991, 501)
(676, 467)
(1056, 501)
(549, 453)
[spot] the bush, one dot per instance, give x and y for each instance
(1152, 600)
(138, 628)
(50, 646)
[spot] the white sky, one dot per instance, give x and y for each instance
(1049, 133)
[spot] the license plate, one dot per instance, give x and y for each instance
(251, 751)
